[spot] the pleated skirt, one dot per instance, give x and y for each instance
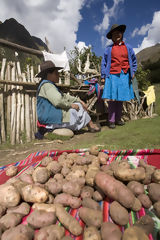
(118, 87)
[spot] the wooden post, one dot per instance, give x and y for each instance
(8, 117)
(18, 120)
(2, 120)
(33, 103)
(28, 74)
(67, 78)
(27, 114)
(13, 108)
(21, 99)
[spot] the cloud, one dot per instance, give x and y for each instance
(57, 20)
(153, 35)
(142, 31)
(81, 46)
(89, 2)
(108, 13)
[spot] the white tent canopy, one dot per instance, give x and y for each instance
(60, 60)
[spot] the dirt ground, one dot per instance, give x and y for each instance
(20, 152)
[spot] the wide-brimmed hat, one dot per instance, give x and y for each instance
(114, 27)
(47, 66)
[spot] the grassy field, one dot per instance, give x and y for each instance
(138, 134)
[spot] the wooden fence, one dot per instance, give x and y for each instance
(17, 103)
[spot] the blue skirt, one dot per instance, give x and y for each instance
(118, 87)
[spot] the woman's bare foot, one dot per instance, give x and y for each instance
(93, 127)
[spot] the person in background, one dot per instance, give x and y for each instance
(56, 109)
(118, 68)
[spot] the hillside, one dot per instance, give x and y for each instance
(149, 58)
(15, 32)
(151, 54)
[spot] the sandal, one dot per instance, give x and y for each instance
(93, 130)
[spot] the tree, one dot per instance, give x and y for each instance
(143, 78)
(82, 55)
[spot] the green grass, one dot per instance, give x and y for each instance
(138, 134)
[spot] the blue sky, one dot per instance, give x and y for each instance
(67, 23)
(138, 15)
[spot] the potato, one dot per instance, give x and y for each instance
(103, 157)
(144, 199)
(81, 181)
(44, 207)
(137, 205)
(82, 160)
(54, 167)
(9, 196)
(124, 164)
(110, 231)
(136, 187)
(20, 232)
(50, 199)
(26, 178)
(23, 208)
(2, 210)
(65, 171)
(58, 176)
(33, 194)
(10, 220)
(91, 233)
(149, 171)
(91, 217)
(39, 218)
(54, 187)
(90, 203)
(11, 171)
(156, 207)
(87, 191)
(50, 232)
(91, 173)
(68, 221)
(156, 176)
(146, 223)
(67, 200)
(115, 189)
(107, 169)
(72, 188)
(46, 160)
(94, 150)
(98, 195)
(154, 192)
(118, 214)
(134, 233)
(125, 174)
(67, 238)
(41, 175)
(75, 174)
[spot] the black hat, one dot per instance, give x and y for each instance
(114, 27)
(45, 67)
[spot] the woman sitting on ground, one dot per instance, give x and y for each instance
(56, 109)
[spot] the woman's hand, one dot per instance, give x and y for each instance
(84, 105)
(102, 80)
(75, 106)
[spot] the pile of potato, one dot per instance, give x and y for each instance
(79, 182)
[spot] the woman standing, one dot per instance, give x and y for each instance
(118, 68)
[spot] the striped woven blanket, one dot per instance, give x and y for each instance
(150, 156)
